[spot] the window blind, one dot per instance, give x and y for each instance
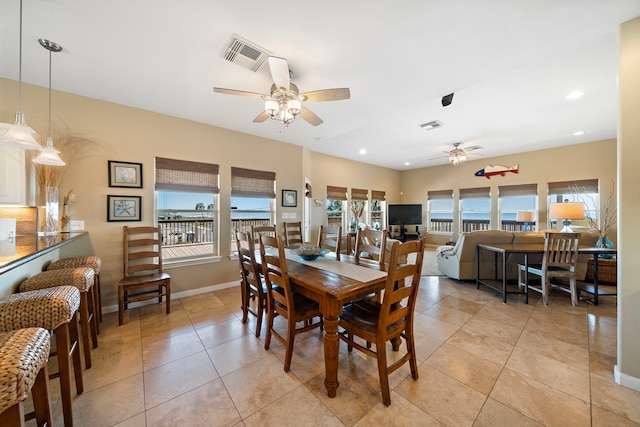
(187, 176)
(359, 194)
(440, 194)
(377, 195)
(564, 187)
(518, 190)
(336, 193)
(475, 193)
(253, 183)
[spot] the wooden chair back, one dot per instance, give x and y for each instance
(142, 251)
(293, 234)
(274, 269)
(374, 243)
(560, 252)
(259, 230)
(251, 279)
(330, 238)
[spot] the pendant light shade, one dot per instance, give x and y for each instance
(49, 155)
(19, 134)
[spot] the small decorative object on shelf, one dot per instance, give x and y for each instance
(65, 217)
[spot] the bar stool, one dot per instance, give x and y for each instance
(90, 261)
(54, 309)
(23, 369)
(83, 279)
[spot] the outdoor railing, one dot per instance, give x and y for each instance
(186, 231)
(440, 225)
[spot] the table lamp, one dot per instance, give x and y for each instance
(566, 211)
(526, 217)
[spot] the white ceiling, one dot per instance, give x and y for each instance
(510, 64)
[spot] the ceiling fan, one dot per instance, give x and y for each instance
(284, 102)
(458, 154)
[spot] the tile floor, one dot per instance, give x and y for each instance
(481, 363)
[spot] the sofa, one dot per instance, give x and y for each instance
(460, 261)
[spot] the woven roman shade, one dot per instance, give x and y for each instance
(475, 193)
(359, 194)
(307, 190)
(336, 193)
(183, 175)
(440, 194)
(564, 187)
(518, 190)
(377, 195)
(253, 183)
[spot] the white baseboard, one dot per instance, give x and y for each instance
(177, 295)
(625, 380)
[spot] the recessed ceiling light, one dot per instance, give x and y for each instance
(407, 163)
(578, 133)
(575, 94)
(363, 151)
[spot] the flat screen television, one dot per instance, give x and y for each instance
(404, 214)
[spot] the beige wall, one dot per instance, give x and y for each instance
(581, 161)
(628, 363)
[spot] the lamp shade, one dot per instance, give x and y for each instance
(525, 216)
(566, 210)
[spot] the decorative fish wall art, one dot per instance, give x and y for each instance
(492, 170)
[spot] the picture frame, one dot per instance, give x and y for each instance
(123, 208)
(125, 174)
(289, 198)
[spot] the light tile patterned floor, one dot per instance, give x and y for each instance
(481, 363)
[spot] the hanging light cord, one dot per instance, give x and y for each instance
(20, 64)
(49, 129)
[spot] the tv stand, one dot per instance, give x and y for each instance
(404, 233)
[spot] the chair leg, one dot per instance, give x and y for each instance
(121, 305)
(40, 394)
(98, 295)
(259, 315)
(167, 288)
(413, 362)
(291, 335)
(63, 346)
(383, 372)
(267, 338)
(574, 293)
(93, 316)
(84, 328)
(245, 301)
(13, 416)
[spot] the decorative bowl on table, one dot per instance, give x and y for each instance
(309, 252)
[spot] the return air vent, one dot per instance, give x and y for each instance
(246, 54)
(432, 125)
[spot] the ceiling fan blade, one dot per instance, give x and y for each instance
(238, 92)
(327, 95)
(472, 148)
(310, 117)
(261, 117)
(279, 72)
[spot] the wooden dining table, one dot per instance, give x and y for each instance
(332, 284)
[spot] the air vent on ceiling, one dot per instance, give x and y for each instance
(244, 53)
(432, 125)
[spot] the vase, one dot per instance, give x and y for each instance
(65, 219)
(48, 214)
(604, 242)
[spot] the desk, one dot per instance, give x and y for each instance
(332, 284)
(533, 248)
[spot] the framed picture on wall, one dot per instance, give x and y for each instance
(289, 198)
(123, 208)
(125, 174)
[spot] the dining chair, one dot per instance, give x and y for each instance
(281, 300)
(330, 238)
(371, 247)
(259, 230)
(252, 285)
(293, 234)
(558, 261)
(381, 322)
(142, 269)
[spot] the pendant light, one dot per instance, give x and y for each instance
(49, 155)
(19, 134)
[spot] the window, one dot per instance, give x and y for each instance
(514, 199)
(585, 191)
(187, 208)
(377, 210)
(335, 206)
(358, 207)
(253, 195)
(475, 208)
(440, 206)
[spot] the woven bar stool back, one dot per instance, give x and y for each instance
(90, 261)
(23, 369)
(54, 309)
(83, 279)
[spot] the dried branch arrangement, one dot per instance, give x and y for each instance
(357, 208)
(609, 212)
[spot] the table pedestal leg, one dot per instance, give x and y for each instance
(331, 348)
